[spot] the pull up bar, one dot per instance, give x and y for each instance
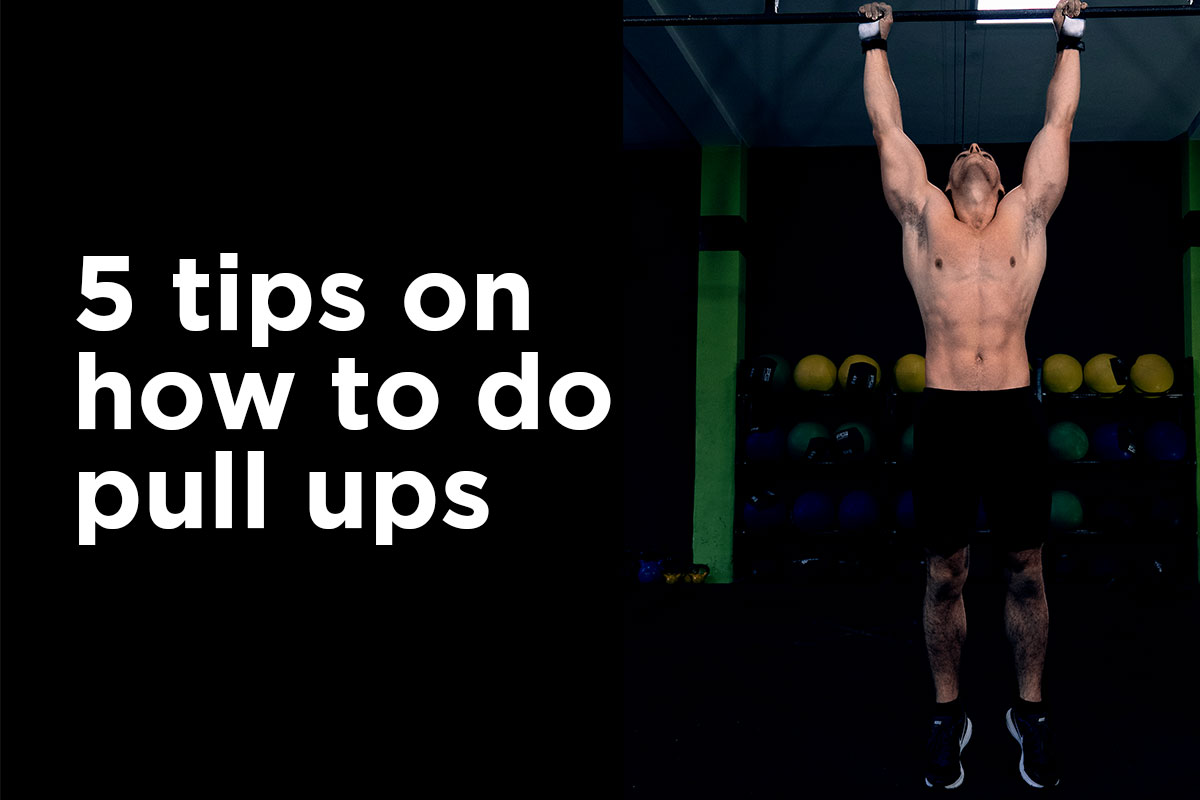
(771, 17)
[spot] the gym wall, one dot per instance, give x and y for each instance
(824, 275)
(662, 202)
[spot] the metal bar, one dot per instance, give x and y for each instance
(901, 16)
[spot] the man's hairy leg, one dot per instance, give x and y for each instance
(945, 619)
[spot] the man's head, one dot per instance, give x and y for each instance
(974, 177)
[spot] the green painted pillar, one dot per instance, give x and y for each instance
(720, 344)
(1191, 291)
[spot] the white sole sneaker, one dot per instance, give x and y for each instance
(1012, 728)
(962, 745)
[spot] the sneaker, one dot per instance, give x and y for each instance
(947, 739)
(1038, 765)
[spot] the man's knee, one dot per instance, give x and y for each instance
(946, 574)
(1023, 571)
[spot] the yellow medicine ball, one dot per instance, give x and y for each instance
(1098, 375)
(1062, 374)
(1151, 374)
(815, 373)
(910, 373)
(844, 369)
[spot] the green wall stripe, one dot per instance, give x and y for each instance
(723, 182)
(1192, 201)
(720, 345)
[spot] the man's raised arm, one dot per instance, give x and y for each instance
(1045, 176)
(905, 181)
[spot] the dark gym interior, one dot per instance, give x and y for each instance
(787, 681)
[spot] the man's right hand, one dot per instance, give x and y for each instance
(1066, 8)
(881, 12)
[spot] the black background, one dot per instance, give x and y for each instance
(267, 659)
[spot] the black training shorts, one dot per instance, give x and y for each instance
(972, 444)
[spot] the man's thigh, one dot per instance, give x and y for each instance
(946, 476)
(1017, 481)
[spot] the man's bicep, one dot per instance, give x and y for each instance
(905, 180)
(1045, 174)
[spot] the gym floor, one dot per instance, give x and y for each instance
(772, 690)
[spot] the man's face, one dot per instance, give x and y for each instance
(973, 164)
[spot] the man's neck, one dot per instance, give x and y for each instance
(976, 209)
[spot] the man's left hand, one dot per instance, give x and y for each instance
(1067, 8)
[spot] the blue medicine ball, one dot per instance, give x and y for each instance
(766, 445)
(1112, 442)
(858, 511)
(1165, 441)
(764, 510)
(1167, 512)
(1115, 514)
(814, 511)
(905, 519)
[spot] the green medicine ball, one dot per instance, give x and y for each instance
(867, 436)
(1066, 512)
(781, 372)
(1068, 442)
(815, 373)
(1062, 374)
(800, 436)
(906, 444)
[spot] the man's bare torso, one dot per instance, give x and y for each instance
(975, 290)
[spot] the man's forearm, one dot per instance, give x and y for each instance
(1062, 98)
(879, 90)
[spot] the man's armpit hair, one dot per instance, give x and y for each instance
(911, 216)
(1035, 219)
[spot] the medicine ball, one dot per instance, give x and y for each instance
(1062, 374)
(815, 373)
(800, 441)
(1066, 512)
(1152, 374)
(765, 446)
(848, 446)
(858, 511)
(1105, 374)
(764, 511)
(1114, 442)
(910, 373)
(853, 377)
(1114, 514)
(814, 511)
(1167, 512)
(906, 444)
(905, 518)
(770, 373)
(1166, 441)
(1068, 442)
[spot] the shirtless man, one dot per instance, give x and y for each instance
(975, 255)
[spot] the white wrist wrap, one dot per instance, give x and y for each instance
(1072, 26)
(868, 30)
